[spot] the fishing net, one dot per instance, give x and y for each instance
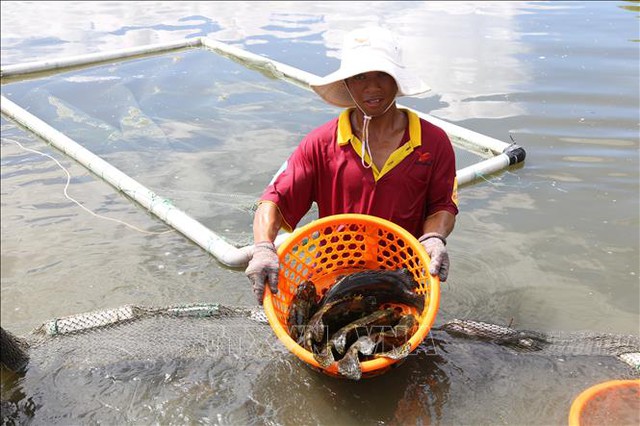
(211, 363)
(119, 356)
(138, 333)
(214, 364)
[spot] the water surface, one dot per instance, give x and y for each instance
(552, 245)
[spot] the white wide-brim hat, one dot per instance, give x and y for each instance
(364, 50)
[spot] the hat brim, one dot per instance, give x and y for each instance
(332, 88)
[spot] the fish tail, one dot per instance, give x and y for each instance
(349, 367)
(325, 357)
(339, 343)
(396, 353)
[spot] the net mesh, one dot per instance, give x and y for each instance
(210, 363)
(139, 333)
(144, 365)
(200, 329)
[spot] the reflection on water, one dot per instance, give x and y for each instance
(550, 245)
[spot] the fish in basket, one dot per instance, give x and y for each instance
(354, 295)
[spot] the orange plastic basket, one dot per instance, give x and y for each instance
(342, 244)
(615, 402)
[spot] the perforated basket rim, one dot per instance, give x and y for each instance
(382, 364)
(586, 396)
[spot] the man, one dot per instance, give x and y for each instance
(373, 159)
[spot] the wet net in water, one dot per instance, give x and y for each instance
(218, 364)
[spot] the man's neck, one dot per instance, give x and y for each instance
(381, 127)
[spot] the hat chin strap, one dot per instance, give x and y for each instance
(365, 129)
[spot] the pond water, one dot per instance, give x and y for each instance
(552, 245)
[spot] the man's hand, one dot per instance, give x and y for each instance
(435, 245)
(263, 266)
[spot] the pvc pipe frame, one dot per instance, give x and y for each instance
(161, 207)
(222, 250)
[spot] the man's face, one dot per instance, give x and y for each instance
(373, 91)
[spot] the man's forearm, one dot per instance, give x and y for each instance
(441, 222)
(266, 222)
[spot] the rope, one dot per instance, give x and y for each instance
(495, 181)
(73, 200)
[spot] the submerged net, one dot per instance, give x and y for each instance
(133, 332)
(211, 363)
(139, 333)
(108, 364)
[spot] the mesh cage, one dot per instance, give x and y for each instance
(342, 244)
(137, 332)
(211, 363)
(144, 365)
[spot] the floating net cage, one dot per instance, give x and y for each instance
(81, 137)
(122, 355)
(211, 363)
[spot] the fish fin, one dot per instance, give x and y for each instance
(339, 341)
(366, 345)
(396, 353)
(317, 331)
(325, 357)
(349, 366)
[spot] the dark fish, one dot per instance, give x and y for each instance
(386, 285)
(398, 352)
(401, 276)
(396, 336)
(325, 356)
(385, 317)
(303, 304)
(339, 311)
(349, 365)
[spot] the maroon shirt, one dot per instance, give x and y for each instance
(418, 179)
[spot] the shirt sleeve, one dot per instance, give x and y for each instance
(292, 190)
(443, 191)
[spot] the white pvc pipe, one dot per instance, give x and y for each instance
(295, 75)
(212, 243)
(161, 207)
(303, 78)
(475, 138)
(486, 167)
(93, 58)
(290, 73)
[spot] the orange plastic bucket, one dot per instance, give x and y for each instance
(615, 402)
(342, 244)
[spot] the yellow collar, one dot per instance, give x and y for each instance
(345, 132)
(346, 136)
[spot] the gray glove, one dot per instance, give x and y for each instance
(263, 266)
(434, 244)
